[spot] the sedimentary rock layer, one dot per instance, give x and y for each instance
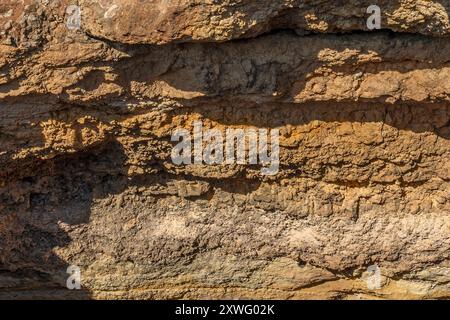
(27, 22)
(87, 179)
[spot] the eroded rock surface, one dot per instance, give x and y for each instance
(87, 179)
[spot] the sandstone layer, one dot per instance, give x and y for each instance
(87, 179)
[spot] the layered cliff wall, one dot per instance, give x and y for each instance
(88, 108)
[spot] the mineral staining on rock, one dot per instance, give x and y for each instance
(86, 118)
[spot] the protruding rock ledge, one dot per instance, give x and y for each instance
(26, 22)
(164, 21)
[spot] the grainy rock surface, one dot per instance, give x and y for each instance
(87, 179)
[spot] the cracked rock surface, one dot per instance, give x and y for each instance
(87, 179)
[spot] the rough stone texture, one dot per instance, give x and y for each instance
(86, 119)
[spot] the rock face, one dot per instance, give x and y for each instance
(88, 108)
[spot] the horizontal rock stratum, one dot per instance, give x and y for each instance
(87, 179)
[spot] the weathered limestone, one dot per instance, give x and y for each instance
(86, 118)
